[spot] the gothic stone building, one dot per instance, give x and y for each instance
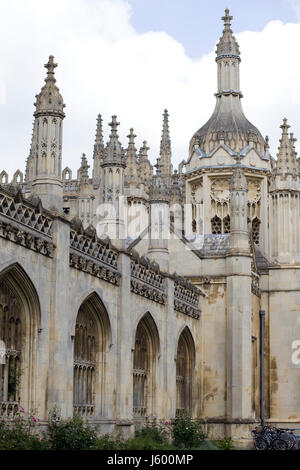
(142, 324)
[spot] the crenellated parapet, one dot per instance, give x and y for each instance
(147, 280)
(90, 254)
(186, 298)
(25, 223)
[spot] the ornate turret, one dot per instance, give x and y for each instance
(114, 154)
(132, 169)
(228, 124)
(49, 100)
(84, 170)
(159, 219)
(286, 157)
(158, 190)
(47, 142)
(98, 152)
(113, 166)
(284, 201)
(165, 150)
(145, 167)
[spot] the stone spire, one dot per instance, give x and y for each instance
(145, 167)
(84, 170)
(227, 45)
(98, 152)
(49, 100)
(286, 157)
(228, 124)
(29, 171)
(114, 153)
(285, 191)
(159, 191)
(47, 141)
(132, 169)
(165, 149)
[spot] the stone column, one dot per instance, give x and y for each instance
(124, 402)
(61, 341)
(239, 305)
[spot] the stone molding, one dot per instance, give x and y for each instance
(186, 298)
(147, 280)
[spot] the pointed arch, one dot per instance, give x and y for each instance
(18, 177)
(67, 174)
(20, 319)
(185, 363)
(91, 340)
(145, 358)
(3, 177)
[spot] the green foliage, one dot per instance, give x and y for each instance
(144, 442)
(225, 444)
(70, 434)
(108, 442)
(153, 431)
(187, 433)
(207, 445)
(20, 433)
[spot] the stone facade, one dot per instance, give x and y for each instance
(128, 294)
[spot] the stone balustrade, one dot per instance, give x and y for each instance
(9, 408)
(84, 410)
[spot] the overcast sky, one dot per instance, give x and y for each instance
(134, 58)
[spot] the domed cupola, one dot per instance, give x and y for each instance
(228, 124)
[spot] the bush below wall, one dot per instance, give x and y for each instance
(22, 432)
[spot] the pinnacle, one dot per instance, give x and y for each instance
(227, 44)
(285, 126)
(227, 19)
(114, 126)
(99, 130)
(50, 66)
(144, 151)
(131, 136)
(286, 157)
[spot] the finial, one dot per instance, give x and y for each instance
(114, 126)
(50, 66)
(131, 136)
(285, 126)
(292, 138)
(227, 19)
(83, 159)
(144, 151)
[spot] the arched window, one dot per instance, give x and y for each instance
(11, 338)
(184, 370)
(91, 335)
(144, 367)
(19, 324)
